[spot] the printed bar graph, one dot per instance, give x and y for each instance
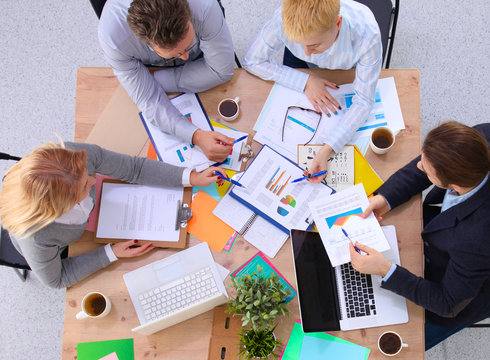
(273, 184)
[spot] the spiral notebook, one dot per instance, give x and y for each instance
(255, 229)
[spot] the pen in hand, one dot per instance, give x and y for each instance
(347, 236)
(228, 179)
(309, 176)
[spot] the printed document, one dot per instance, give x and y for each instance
(129, 211)
(270, 192)
(342, 210)
(283, 130)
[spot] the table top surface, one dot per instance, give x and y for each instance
(190, 339)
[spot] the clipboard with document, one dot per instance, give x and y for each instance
(149, 213)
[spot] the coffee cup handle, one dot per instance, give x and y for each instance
(404, 345)
(81, 315)
(237, 99)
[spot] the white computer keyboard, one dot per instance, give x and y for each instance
(179, 294)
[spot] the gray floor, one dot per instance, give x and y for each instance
(44, 42)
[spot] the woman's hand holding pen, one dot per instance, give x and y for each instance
(378, 205)
(206, 177)
(320, 163)
(373, 262)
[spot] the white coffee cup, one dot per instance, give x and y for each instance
(228, 109)
(94, 305)
(382, 139)
(394, 339)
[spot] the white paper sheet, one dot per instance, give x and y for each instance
(232, 161)
(269, 189)
(342, 210)
(386, 111)
(130, 211)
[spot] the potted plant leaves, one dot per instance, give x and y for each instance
(258, 344)
(259, 300)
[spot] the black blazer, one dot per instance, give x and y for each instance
(455, 290)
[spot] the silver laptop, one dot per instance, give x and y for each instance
(341, 298)
(175, 289)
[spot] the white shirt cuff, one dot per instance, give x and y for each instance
(110, 253)
(391, 271)
(186, 177)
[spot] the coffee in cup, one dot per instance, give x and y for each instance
(94, 305)
(382, 139)
(228, 109)
(390, 343)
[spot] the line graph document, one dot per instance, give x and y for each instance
(300, 127)
(342, 210)
(129, 211)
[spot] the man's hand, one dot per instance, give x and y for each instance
(129, 249)
(372, 263)
(215, 145)
(319, 97)
(206, 177)
(320, 163)
(379, 205)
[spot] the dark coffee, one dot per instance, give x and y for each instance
(382, 138)
(390, 343)
(228, 108)
(95, 304)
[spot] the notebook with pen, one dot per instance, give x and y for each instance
(149, 213)
(268, 191)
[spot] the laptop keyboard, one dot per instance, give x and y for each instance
(179, 294)
(358, 292)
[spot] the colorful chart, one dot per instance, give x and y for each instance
(287, 200)
(273, 184)
(341, 219)
(185, 153)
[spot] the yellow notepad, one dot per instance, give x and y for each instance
(364, 173)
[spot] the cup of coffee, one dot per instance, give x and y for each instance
(94, 305)
(382, 139)
(228, 109)
(390, 343)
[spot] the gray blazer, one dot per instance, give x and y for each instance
(43, 249)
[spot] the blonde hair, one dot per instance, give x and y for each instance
(41, 187)
(301, 18)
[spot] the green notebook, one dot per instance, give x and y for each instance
(95, 350)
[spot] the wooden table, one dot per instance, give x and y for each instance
(190, 339)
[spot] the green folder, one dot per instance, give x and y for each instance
(95, 350)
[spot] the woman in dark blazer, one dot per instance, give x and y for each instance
(455, 290)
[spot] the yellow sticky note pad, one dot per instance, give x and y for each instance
(206, 227)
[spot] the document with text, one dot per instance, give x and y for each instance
(342, 210)
(129, 211)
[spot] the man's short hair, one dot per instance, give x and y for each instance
(301, 18)
(458, 153)
(163, 23)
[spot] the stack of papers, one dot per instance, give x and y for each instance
(321, 346)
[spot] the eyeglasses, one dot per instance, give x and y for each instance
(188, 49)
(305, 115)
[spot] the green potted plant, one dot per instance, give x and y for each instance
(258, 344)
(258, 299)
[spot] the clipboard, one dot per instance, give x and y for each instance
(182, 217)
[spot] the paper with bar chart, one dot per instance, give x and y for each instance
(270, 192)
(342, 210)
(173, 150)
(301, 126)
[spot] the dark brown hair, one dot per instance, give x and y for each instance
(458, 153)
(163, 23)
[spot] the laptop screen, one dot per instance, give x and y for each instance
(315, 277)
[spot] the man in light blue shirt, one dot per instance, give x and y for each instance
(328, 34)
(190, 39)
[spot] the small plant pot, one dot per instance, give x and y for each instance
(258, 344)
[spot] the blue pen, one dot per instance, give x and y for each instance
(228, 179)
(347, 236)
(240, 139)
(309, 176)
